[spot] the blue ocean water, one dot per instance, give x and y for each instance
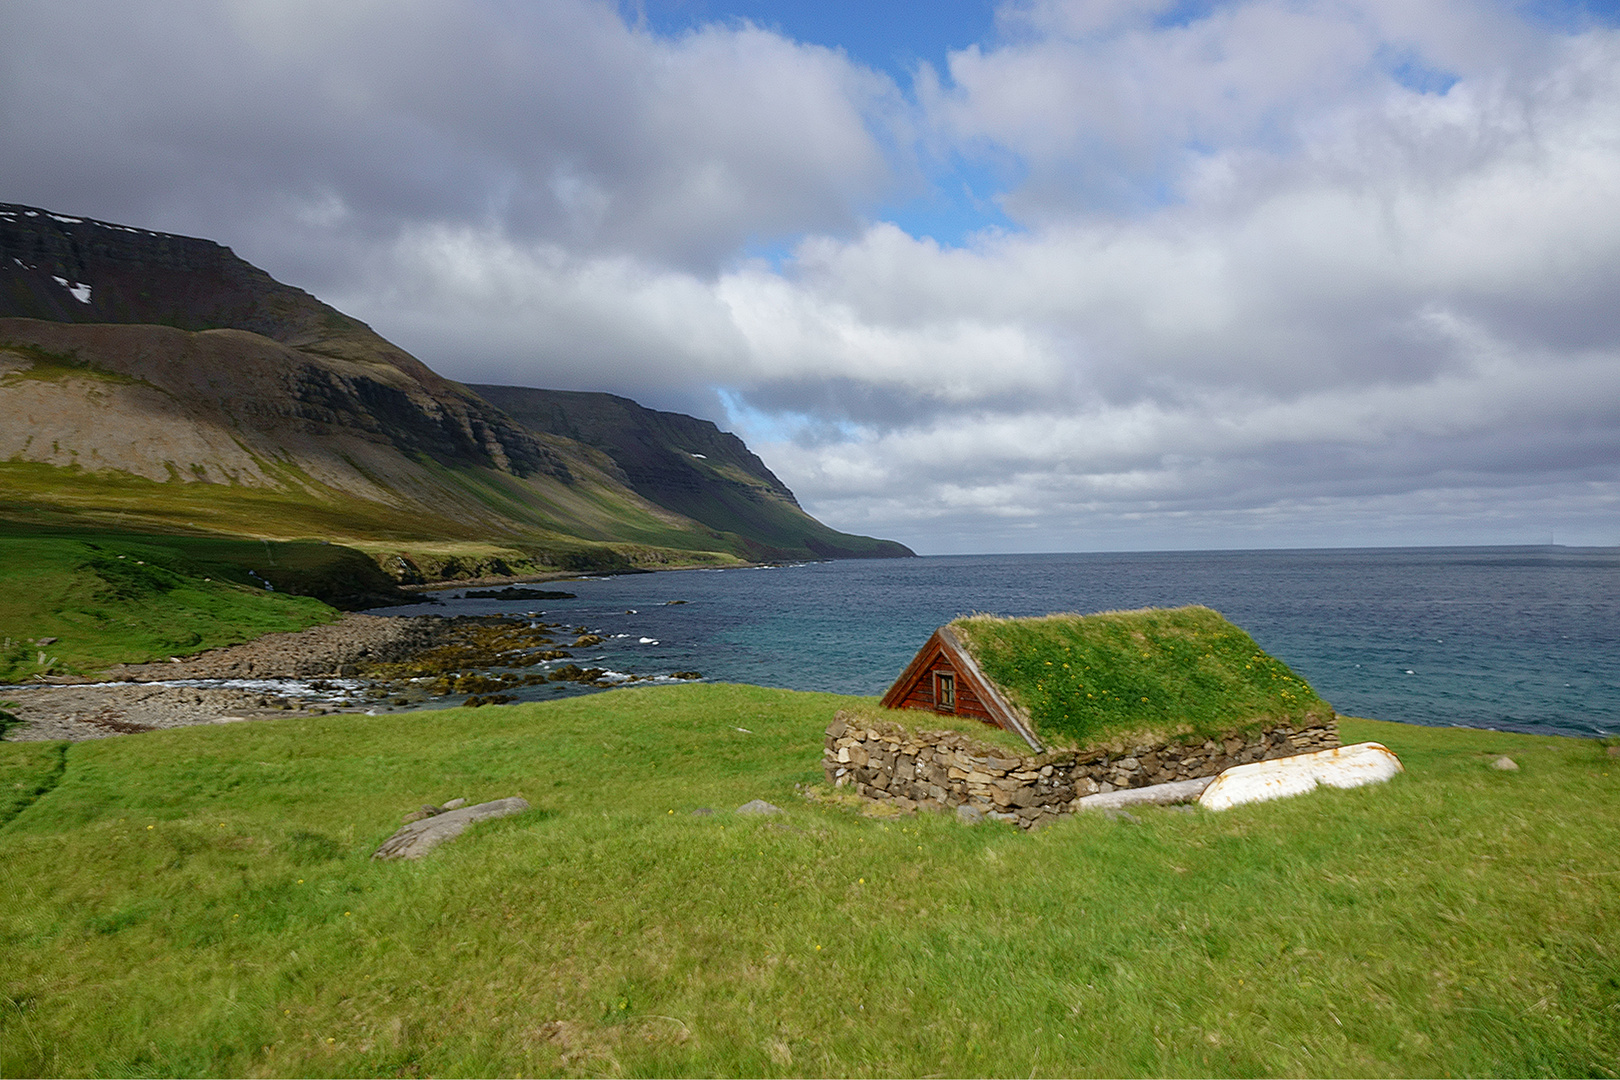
(1521, 639)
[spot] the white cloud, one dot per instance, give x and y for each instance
(1299, 272)
(553, 122)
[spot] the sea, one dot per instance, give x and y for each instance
(1509, 638)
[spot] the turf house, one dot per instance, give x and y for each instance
(1086, 679)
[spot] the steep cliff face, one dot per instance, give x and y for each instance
(657, 450)
(168, 360)
(232, 430)
(76, 270)
(69, 269)
(689, 466)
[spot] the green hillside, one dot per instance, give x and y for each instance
(173, 386)
(77, 601)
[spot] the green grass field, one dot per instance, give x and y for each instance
(115, 597)
(201, 902)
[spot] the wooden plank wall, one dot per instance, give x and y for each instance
(920, 694)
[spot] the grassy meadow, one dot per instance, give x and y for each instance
(125, 597)
(113, 596)
(201, 902)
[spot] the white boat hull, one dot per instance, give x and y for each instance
(1342, 767)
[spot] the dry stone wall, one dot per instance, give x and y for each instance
(943, 769)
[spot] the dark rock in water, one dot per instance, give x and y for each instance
(517, 594)
(686, 674)
(672, 603)
(575, 673)
(585, 641)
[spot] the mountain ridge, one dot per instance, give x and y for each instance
(164, 380)
(685, 464)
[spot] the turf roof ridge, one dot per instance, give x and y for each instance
(1185, 671)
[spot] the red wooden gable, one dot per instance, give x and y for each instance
(944, 678)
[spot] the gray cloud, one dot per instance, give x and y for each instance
(1288, 273)
(550, 122)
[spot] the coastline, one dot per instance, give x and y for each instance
(129, 699)
(576, 575)
(1522, 646)
(132, 698)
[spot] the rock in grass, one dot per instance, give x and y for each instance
(969, 815)
(1505, 764)
(758, 806)
(1179, 791)
(420, 837)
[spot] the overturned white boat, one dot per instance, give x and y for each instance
(1341, 767)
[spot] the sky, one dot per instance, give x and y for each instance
(1042, 275)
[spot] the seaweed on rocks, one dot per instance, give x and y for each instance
(474, 642)
(488, 699)
(573, 673)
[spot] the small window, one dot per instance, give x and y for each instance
(944, 692)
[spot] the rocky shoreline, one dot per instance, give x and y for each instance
(361, 663)
(131, 700)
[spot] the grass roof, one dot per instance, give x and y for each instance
(1089, 679)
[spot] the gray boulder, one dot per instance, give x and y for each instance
(758, 806)
(1182, 791)
(417, 838)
